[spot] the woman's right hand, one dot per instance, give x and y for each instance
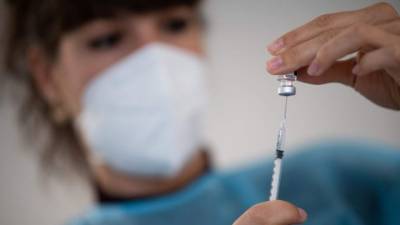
(272, 213)
(372, 32)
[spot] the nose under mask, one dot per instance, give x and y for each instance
(144, 115)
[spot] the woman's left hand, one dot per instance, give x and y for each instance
(272, 213)
(372, 32)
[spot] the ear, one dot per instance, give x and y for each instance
(41, 69)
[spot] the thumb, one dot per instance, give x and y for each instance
(272, 213)
(340, 72)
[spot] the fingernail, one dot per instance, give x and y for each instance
(356, 69)
(313, 69)
(303, 214)
(275, 63)
(276, 46)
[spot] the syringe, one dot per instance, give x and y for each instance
(285, 89)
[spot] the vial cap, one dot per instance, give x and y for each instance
(287, 90)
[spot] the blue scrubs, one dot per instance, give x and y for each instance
(337, 183)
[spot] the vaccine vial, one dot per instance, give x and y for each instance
(286, 86)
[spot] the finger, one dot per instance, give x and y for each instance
(381, 59)
(392, 26)
(311, 29)
(272, 213)
(340, 72)
(300, 55)
(349, 41)
(374, 14)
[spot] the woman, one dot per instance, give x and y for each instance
(119, 86)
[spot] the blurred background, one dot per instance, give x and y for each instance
(244, 113)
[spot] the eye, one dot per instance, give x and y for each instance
(106, 41)
(176, 25)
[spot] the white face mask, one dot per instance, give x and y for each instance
(143, 116)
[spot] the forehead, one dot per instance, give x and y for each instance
(70, 14)
(46, 22)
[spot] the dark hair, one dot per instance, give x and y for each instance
(43, 23)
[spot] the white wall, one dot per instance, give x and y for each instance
(244, 109)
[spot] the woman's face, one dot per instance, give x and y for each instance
(87, 51)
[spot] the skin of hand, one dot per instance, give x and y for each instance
(272, 213)
(373, 33)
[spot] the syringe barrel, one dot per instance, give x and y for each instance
(280, 143)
